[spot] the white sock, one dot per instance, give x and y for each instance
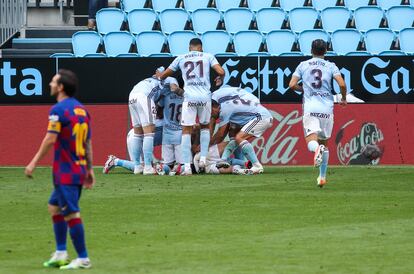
(313, 145)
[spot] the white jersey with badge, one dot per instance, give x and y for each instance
(228, 93)
(241, 112)
(152, 87)
(195, 68)
(317, 75)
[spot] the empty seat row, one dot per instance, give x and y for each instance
(244, 42)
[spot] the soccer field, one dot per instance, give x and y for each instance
(278, 222)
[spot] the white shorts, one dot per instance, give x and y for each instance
(319, 123)
(212, 159)
(257, 126)
(142, 110)
(193, 109)
(171, 154)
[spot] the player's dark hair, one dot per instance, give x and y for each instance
(319, 47)
(214, 104)
(69, 80)
(196, 42)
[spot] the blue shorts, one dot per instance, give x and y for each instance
(66, 197)
(158, 136)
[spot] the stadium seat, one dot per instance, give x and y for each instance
(358, 53)
(288, 5)
(406, 40)
(280, 41)
(387, 4)
(205, 19)
(118, 42)
(129, 5)
(256, 5)
(85, 42)
(291, 54)
(179, 41)
(248, 41)
(62, 55)
(331, 53)
(392, 53)
(400, 17)
(367, 18)
(323, 4)
(377, 40)
(140, 20)
(238, 19)
(109, 19)
(354, 4)
(95, 55)
(191, 5)
(161, 54)
(150, 42)
(302, 19)
(345, 40)
(269, 19)
(173, 20)
(227, 54)
(306, 38)
(224, 5)
(160, 5)
(128, 55)
(258, 54)
(335, 18)
(216, 41)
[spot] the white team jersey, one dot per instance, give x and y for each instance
(195, 68)
(241, 112)
(228, 93)
(317, 75)
(152, 87)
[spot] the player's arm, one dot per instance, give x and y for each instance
(342, 86)
(167, 73)
(220, 71)
(90, 175)
(48, 141)
(220, 134)
(294, 84)
(176, 89)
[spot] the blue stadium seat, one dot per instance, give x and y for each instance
(160, 5)
(331, 53)
(118, 42)
(227, 54)
(248, 41)
(161, 54)
(258, 54)
(216, 41)
(335, 18)
(238, 19)
(354, 4)
(150, 42)
(377, 40)
(109, 19)
(191, 5)
(128, 55)
(223, 5)
(288, 5)
(62, 55)
(140, 20)
(345, 40)
(367, 18)
(392, 53)
(400, 17)
(85, 42)
(129, 5)
(358, 53)
(323, 4)
(280, 41)
(179, 41)
(173, 20)
(269, 19)
(386, 4)
(291, 54)
(306, 38)
(406, 37)
(302, 19)
(95, 55)
(256, 5)
(205, 19)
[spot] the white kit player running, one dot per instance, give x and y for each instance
(318, 102)
(195, 68)
(143, 112)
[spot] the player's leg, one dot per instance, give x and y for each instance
(312, 128)
(326, 126)
(234, 129)
(147, 117)
(137, 136)
(188, 119)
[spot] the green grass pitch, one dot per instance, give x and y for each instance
(278, 222)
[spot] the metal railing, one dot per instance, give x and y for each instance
(13, 15)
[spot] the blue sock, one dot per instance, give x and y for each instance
(148, 148)
(238, 154)
(204, 142)
(186, 148)
(125, 164)
(324, 165)
(136, 148)
(236, 162)
(248, 151)
(78, 237)
(228, 150)
(60, 227)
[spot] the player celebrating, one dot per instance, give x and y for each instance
(69, 132)
(143, 112)
(318, 102)
(195, 69)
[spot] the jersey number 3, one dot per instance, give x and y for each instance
(80, 131)
(190, 66)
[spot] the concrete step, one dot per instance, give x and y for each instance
(29, 53)
(42, 43)
(51, 32)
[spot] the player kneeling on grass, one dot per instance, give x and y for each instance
(318, 102)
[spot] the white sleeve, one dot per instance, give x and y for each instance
(175, 65)
(171, 80)
(213, 60)
(335, 70)
(298, 71)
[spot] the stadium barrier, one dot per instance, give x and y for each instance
(12, 17)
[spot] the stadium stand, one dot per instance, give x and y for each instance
(354, 4)
(205, 19)
(334, 18)
(256, 5)
(306, 37)
(118, 42)
(406, 39)
(269, 19)
(109, 19)
(178, 41)
(303, 19)
(367, 18)
(129, 5)
(216, 41)
(173, 20)
(238, 19)
(85, 42)
(358, 53)
(150, 42)
(391, 53)
(275, 47)
(224, 5)
(373, 36)
(248, 41)
(191, 5)
(345, 40)
(386, 4)
(400, 17)
(323, 4)
(140, 20)
(160, 5)
(288, 5)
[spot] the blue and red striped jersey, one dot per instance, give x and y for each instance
(71, 121)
